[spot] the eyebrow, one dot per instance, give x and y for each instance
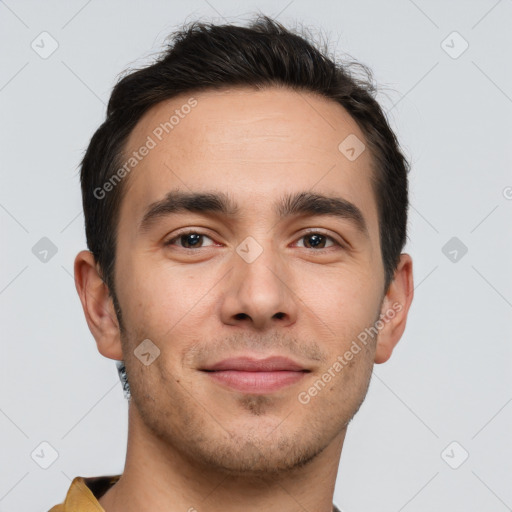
(219, 203)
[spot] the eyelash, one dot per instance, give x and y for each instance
(308, 233)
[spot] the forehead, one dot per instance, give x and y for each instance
(253, 144)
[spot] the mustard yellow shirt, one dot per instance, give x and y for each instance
(83, 494)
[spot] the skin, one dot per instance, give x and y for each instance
(193, 444)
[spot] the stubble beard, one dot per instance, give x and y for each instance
(269, 450)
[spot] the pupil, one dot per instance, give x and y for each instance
(316, 238)
(191, 239)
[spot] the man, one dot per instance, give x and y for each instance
(246, 208)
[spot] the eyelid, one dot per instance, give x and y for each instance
(187, 231)
(338, 241)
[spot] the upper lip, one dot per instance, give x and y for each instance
(250, 364)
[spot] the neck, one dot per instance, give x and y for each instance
(161, 477)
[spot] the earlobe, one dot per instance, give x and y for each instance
(97, 305)
(395, 308)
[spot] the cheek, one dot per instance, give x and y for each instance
(345, 298)
(162, 299)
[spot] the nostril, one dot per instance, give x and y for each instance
(279, 315)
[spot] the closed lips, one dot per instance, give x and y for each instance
(271, 364)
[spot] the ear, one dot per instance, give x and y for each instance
(98, 306)
(395, 308)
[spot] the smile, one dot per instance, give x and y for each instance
(248, 374)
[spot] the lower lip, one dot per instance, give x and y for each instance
(256, 382)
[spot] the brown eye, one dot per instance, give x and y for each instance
(317, 241)
(189, 240)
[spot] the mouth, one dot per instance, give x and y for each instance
(257, 376)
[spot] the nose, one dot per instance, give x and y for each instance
(259, 294)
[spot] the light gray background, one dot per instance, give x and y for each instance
(449, 378)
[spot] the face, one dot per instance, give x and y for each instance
(256, 278)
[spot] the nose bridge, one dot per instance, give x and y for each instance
(260, 264)
(258, 291)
